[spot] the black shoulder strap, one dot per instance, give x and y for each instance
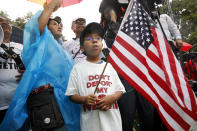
(15, 56)
(76, 54)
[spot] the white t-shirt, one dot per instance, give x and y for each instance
(82, 81)
(8, 71)
(73, 47)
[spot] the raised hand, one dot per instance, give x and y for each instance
(53, 4)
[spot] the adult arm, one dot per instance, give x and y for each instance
(174, 31)
(48, 10)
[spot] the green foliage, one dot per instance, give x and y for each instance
(185, 16)
(5, 15)
(18, 22)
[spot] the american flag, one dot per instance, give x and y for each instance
(142, 56)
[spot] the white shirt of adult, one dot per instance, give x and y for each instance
(82, 81)
(170, 28)
(8, 71)
(73, 47)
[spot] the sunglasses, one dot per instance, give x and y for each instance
(79, 21)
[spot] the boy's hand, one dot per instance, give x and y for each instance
(90, 99)
(106, 102)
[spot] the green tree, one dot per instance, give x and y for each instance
(21, 21)
(189, 16)
(185, 16)
(18, 22)
(5, 15)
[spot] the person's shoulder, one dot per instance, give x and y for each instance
(80, 66)
(16, 45)
(165, 16)
(69, 43)
(73, 40)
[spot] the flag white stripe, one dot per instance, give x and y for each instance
(167, 65)
(146, 89)
(180, 74)
(160, 91)
(153, 66)
(153, 49)
(141, 50)
(184, 87)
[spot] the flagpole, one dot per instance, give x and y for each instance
(101, 76)
(128, 9)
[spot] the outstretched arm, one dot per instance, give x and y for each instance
(48, 10)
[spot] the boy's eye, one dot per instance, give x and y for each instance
(91, 39)
(88, 39)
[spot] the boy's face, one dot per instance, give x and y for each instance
(92, 45)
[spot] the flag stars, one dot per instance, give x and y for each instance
(137, 26)
(147, 34)
(131, 33)
(148, 40)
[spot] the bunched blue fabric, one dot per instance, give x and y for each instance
(45, 62)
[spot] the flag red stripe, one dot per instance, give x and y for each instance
(152, 69)
(140, 74)
(156, 43)
(189, 90)
(134, 52)
(154, 58)
(141, 91)
(171, 61)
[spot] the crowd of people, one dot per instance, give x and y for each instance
(57, 88)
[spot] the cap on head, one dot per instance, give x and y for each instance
(57, 19)
(91, 29)
(78, 20)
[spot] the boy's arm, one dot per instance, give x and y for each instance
(89, 100)
(106, 102)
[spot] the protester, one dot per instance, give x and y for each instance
(73, 46)
(131, 101)
(9, 68)
(45, 80)
(171, 31)
(99, 112)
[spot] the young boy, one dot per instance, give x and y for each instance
(99, 112)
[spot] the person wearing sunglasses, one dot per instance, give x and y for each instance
(73, 46)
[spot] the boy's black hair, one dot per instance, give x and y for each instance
(90, 29)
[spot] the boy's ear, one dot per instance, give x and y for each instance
(83, 50)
